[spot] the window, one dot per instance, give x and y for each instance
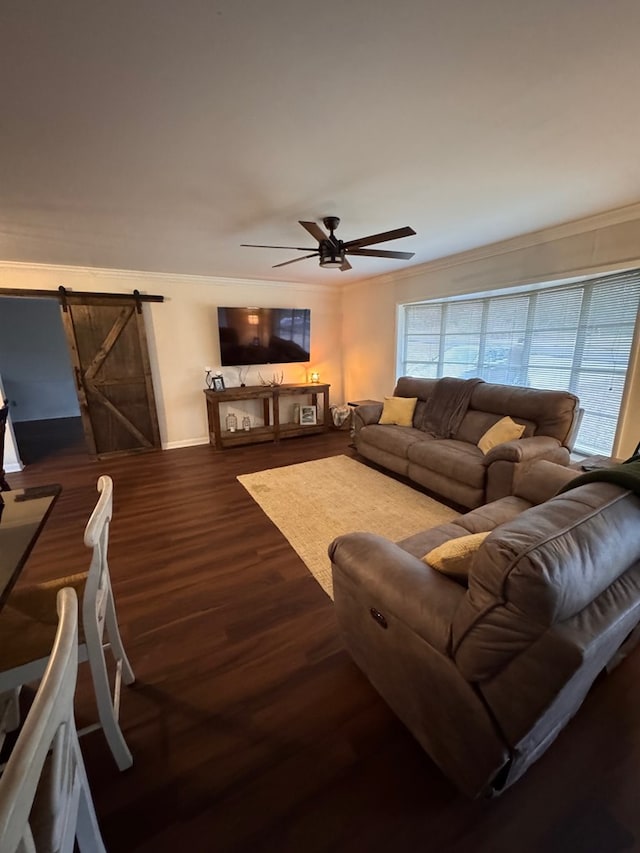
(575, 337)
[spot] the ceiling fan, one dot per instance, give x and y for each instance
(333, 252)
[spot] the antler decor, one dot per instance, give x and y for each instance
(242, 376)
(275, 379)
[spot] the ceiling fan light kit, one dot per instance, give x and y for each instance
(333, 252)
(330, 257)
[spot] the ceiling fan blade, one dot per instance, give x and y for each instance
(380, 238)
(314, 255)
(381, 253)
(315, 230)
(294, 248)
(345, 265)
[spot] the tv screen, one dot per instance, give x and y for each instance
(263, 335)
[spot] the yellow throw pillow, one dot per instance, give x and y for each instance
(504, 430)
(398, 410)
(454, 556)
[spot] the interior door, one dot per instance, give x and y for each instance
(109, 352)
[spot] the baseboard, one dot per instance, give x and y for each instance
(187, 442)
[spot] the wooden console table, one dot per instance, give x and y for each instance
(274, 428)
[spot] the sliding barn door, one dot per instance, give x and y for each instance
(111, 363)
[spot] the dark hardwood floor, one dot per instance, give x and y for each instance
(251, 728)
(42, 439)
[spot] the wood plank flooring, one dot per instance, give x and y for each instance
(38, 440)
(251, 728)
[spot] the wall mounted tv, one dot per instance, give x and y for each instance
(264, 335)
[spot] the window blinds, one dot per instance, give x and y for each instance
(576, 337)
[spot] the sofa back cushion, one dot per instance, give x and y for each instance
(552, 412)
(419, 414)
(475, 424)
(541, 569)
(413, 386)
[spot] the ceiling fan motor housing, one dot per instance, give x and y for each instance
(331, 253)
(331, 223)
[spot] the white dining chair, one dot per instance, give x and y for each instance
(27, 626)
(45, 800)
(9, 715)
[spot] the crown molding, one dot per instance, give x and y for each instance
(549, 234)
(172, 278)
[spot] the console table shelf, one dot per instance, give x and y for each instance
(273, 429)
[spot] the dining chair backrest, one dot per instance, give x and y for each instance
(98, 585)
(63, 809)
(30, 609)
(99, 620)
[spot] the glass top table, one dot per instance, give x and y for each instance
(23, 513)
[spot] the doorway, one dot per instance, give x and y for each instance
(102, 373)
(37, 377)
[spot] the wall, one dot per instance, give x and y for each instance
(608, 242)
(353, 329)
(182, 332)
(34, 360)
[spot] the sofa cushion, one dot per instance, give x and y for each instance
(504, 430)
(391, 438)
(414, 386)
(475, 424)
(551, 411)
(398, 410)
(419, 413)
(455, 459)
(454, 557)
(484, 518)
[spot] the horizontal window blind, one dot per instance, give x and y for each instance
(575, 337)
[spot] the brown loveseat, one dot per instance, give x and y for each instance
(455, 467)
(485, 677)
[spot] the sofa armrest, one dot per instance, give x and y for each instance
(367, 414)
(541, 480)
(505, 460)
(524, 449)
(395, 582)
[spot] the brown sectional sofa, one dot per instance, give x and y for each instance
(455, 467)
(485, 677)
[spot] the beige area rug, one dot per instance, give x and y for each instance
(313, 502)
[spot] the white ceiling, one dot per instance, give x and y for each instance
(161, 134)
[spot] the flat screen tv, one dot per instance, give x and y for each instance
(264, 335)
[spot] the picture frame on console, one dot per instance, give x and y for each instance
(308, 415)
(218, 383)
